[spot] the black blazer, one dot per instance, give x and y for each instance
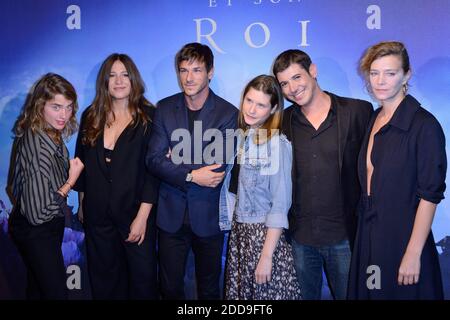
(175, 194)
(353, 117)
(130, 183)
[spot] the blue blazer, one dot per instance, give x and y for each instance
(175, 194)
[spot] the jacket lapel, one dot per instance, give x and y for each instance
(206, 114)
(180, 114)
(343, 124)
(99, 146)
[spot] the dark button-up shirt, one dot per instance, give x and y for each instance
(318, 193)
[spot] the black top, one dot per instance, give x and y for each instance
(192, 116)
(108, 159)
(40, 168)
(116, 192)
(409, 160)
(352, 118)
(414, 142)
(318, 196)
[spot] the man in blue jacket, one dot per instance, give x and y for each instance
(188, 204)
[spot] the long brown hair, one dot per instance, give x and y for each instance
(31, 117)
(269, 85)
(97, 115)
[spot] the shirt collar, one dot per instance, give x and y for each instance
(405, 112)
(333, 108)
(209, 102)
(52, 146)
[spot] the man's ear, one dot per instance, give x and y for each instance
(313, 70)
(211, 73)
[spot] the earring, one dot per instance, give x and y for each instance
(405, 88)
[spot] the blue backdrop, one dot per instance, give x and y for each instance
(73, 37)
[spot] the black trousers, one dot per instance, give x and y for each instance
(173, 251)
(40, 248)
(119, 269)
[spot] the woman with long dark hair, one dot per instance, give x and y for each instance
(116, 193)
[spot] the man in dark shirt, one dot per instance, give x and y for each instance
(188, 203)
(326, 132)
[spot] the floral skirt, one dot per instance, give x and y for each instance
(244, 249)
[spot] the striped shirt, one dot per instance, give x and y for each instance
(40, 168)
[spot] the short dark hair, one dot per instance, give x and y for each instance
(195, 52)
(288, 57)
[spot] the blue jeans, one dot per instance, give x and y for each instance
(309, 261)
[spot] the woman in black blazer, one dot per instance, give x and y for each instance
(116, 193)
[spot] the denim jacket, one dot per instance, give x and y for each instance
(265, 185)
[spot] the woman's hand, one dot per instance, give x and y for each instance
(263, 272)
(76, 166)
(409, 270)
(139, 224)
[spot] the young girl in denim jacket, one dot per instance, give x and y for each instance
(259, 261)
